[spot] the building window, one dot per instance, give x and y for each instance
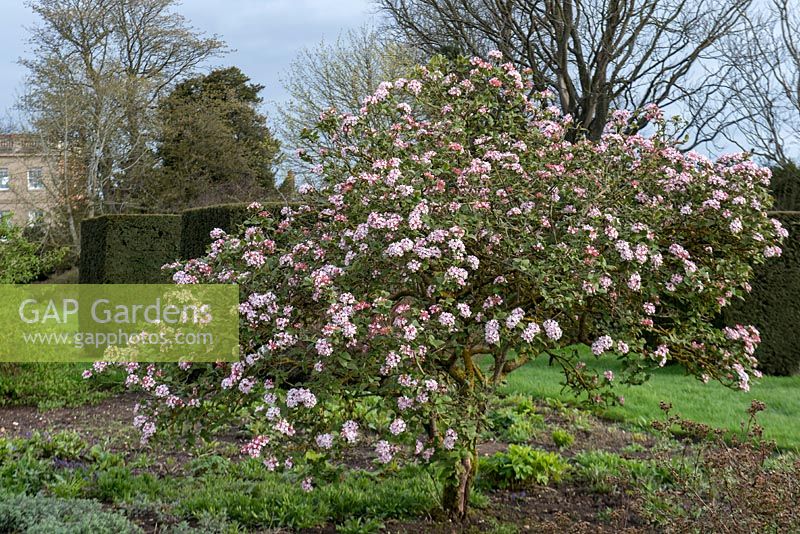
(4, 180)
(35, 181)
(35, 217)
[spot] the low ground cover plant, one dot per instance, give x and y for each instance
(72, 473)
(514, 419)
(28, 514)
(521, 465)
(562, 438)
(606, 471)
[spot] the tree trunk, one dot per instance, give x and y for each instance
(455, 500)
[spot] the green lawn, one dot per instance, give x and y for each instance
(709, 403)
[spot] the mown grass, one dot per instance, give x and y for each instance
(711, 403)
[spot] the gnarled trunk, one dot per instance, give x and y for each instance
(455, 500)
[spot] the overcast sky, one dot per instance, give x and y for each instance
(266, 35)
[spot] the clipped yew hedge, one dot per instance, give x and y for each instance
(128, 249)
(198, 223)
(773, 306)
(131, 249)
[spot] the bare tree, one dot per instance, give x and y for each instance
(66, 197)
(336, 75)
(112, 60)
(594, 54)
(764, 88)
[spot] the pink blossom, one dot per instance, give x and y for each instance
(744, 378)
(254, 258)
(514, 318)
(530, 332)
(284, 427)
(450, 438)
(492, 332)
(662, 352)
(323, 347)
(385, 451)
(410, 332)
(398, 426)
(404, 403)
(350, 431)
(635, 282)
(458, 275)
(324, 441)
(602, 344)
(297, 396)
(253, 447)
(552, 329)
(447, 319)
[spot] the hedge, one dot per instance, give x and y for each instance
(785, 187)
(773, 306)
(128, 249)
(198, 223)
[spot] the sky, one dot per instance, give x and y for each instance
(265, 35)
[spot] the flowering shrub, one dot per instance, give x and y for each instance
(460, 236)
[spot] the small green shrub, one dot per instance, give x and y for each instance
(23, 260)
(50, 515)
(604, 471)
(522, 465)
(601, 469)
(562, 438)
(209, 464)
(515, 419)
(65, 445)
(58, 463)
(25, 475)
(519, 432)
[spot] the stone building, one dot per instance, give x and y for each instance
(25, 179)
